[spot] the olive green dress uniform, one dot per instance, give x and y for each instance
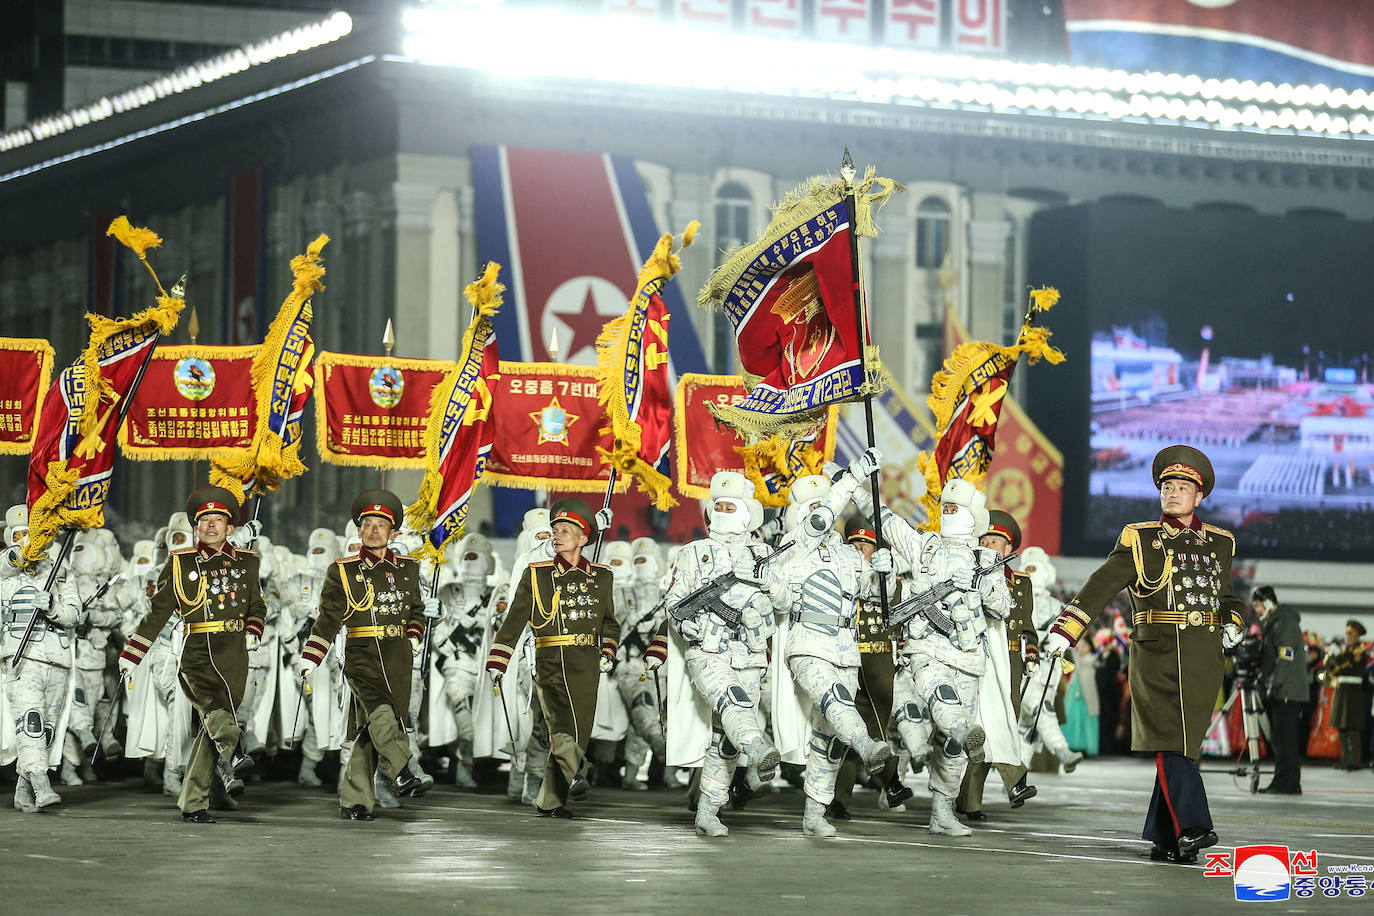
(1179, 583)
(571, 611)
(1022, 639)
(376, 597)
(1349, 710)
(218, 597)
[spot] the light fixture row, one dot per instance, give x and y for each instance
(294, 41)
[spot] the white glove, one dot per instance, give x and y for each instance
(14, 556)
(1054, 643)
(304, 667)
(245, 534)
(652, 663)
(603, 519)
(606, 663)
(41, 601)
(126, 670)
(433, 609)
(903, 661)
(882, 561)
(831, 470)
(1230, 636)
(415, 645)
(867, 464)
(253, 641)
(744, 567)
(962, 578)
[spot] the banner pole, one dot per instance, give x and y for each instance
(389, 342)
(847, 172)
(69, 534)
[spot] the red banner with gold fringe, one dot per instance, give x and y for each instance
(703, 446)
(548, 427)
(371, 411)
(195, 402)
(25, 373)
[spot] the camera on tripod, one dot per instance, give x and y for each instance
(1246, 656)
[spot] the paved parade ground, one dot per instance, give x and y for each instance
(120, 848)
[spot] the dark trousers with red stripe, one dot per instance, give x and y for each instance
(1179, 802)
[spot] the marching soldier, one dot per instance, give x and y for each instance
(1349, 710)
(375, 594)
(1004, 536)
(1178, 573)
(568, 604)
(877, 671)
(214, 588)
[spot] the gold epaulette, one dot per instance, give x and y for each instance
(185, 550)
(1018, 574)
(1213, 529)
(349, 559)
(1129, 535)
(597, 565)
(540, 563)
(251, 553)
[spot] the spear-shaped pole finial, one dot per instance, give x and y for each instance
(389, 338)
(193, 326)
(553, 345)
(847, 167)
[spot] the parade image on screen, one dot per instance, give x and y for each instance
(1230, 332)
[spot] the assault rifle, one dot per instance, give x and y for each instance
(708, 597)
(929, 604)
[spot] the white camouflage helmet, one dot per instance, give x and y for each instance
(267, 558)
(180, 534)
(1036, 564)
(114, 557)
(16, 524)
(734, 488)
(322, 549)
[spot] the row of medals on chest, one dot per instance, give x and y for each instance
(391, 599)
(575, 599)
(222, 584)
(1185, 563)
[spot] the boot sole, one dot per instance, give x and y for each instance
(768, 765)
(973, 744)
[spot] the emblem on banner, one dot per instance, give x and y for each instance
(385, 386)
(801, 310)
(553, 422)
(194, 378)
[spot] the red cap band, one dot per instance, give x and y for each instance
(565, 516)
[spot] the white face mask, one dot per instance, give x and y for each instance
(86, 559)
(473, 571)
(730, 524)
(958, 524)
(621, 571)
(543, 547)
(320, 558)
(646, 570)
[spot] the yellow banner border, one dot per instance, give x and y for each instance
(31, 345)
(560, 484)
(325, 360)
(187, 453)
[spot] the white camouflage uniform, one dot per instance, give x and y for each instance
(639, 621)
(1039, 689)
(726, 664)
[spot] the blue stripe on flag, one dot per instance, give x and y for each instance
(493, 243)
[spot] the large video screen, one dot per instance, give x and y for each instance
(1249, 336)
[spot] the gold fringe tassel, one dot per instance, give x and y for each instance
(266, 461)
(45, 361)
(612, 350)
(484, 295)
(948, 387)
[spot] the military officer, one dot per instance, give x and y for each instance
(375, 595)
(214, 588)
(1349, 711)
(877, 670)
(569, 605)
(1004, 536)
(1178, 574)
